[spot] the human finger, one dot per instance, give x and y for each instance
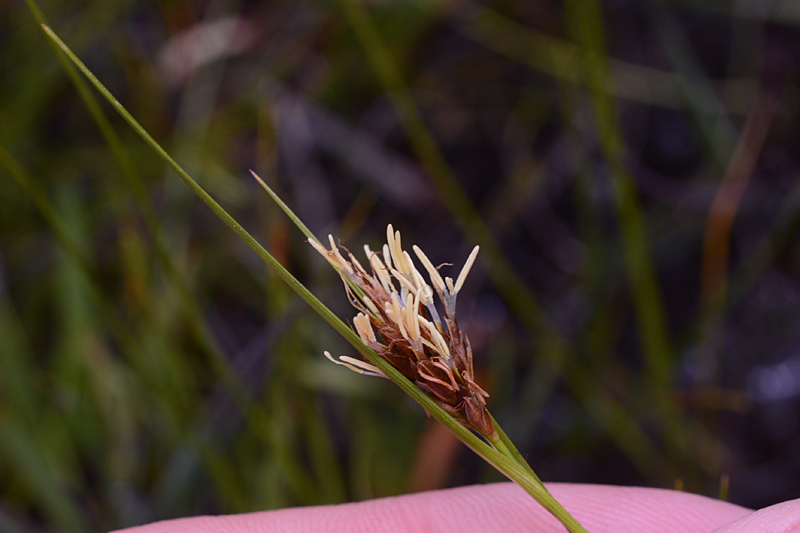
(781, 518)
(501, 507)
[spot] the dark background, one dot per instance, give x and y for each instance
(629, 168)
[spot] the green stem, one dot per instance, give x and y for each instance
(506, 447)
(523, 476)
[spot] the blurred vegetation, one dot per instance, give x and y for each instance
(629, 169)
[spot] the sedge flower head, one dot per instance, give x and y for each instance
(398, 318)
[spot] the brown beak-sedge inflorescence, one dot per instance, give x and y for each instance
(393, 299)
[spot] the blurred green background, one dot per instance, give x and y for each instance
(629, 169)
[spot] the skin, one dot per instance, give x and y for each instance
(503, 507)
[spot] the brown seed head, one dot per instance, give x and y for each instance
(395, 300)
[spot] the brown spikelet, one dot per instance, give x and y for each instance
(394, 300)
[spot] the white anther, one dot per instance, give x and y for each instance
(467, 266)
(335, 251)
(436, 337)
(380, 271)
(436, 278)
(333, 257)
(356, 365)
(412, 317)
(387, 255)
(364, 328)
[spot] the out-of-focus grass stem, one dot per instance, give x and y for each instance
(716, 242)
(188, 303)
(707, 110)
(631, 81)
(585, 22)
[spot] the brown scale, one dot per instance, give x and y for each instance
(451, 386)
